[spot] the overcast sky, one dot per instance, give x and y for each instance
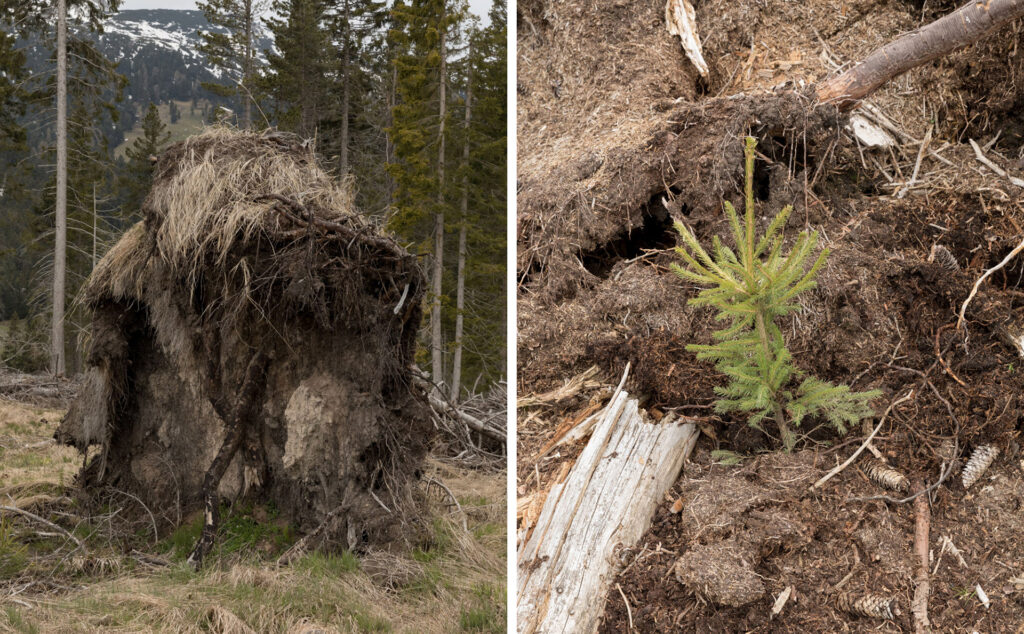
(479, 7)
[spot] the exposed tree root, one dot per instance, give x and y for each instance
(245, 409)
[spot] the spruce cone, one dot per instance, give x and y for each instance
(945, 259)
(980, 460)
(886, 476)
(871, 605)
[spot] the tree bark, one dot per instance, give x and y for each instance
(61, 229)
(964, 26)
(460, 288)
(345, 98)
(247, 67)
(436, 351)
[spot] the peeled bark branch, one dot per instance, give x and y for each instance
(964, 26)
(920, 605)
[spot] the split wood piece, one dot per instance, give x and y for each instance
(578, 430)
(681, 20)
(920, 605)
(245, 409)
(567, 565)
(570, 389)
(967, 24)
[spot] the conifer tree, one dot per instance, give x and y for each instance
(297, 77)
(752, 287)
(424, 34)
(138, 172)
(234, 52)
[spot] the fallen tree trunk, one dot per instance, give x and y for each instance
(566, 565)
(964, 26)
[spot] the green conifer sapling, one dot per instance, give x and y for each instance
(752, 287)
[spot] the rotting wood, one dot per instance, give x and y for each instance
(680, 19)
(967, 24)
(245, 409)
(566, 566)
(571, 388)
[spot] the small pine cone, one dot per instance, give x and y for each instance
(886, 476)
(980, 460)
(871, 605)
(945, 259)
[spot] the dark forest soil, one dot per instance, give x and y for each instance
(610, 156)
(812, 542)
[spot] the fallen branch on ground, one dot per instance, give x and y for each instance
(920, 604)
(828, 476)
(964, 26)
(977, 285)
(45, 522)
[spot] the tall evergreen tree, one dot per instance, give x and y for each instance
(234, 52)
(425, 33)
(297, 76)
(483, 224)
(137, 175)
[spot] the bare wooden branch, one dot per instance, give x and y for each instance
(45, 522)
(828, 476)
(964, 26)
(920, 605)
(977, 285)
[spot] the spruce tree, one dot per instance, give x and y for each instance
(137, 175)
(233, 52)
(297, 76)
(752, 287)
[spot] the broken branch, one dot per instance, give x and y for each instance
(920, 604)
(964, 26)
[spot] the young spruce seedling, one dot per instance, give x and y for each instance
(752, 288)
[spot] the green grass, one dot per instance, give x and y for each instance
(451, 582)
(484, 614)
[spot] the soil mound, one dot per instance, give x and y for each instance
(253, 291)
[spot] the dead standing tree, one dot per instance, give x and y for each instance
(254, 335)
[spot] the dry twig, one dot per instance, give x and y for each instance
(828, 476)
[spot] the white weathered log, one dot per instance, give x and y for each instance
(567, 565)
(681, 20)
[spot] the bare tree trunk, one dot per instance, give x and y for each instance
(94, 222)
(389, 148)
(956, 30)
(60, 234)
(460, 292)
(247, 67)
(343, 156)
(436, 352)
